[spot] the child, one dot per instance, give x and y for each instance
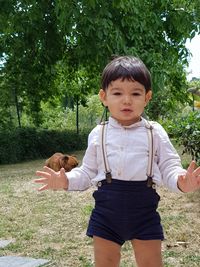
(125, 159)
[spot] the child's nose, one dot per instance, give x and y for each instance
(127, 99)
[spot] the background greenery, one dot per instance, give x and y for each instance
(52, 54)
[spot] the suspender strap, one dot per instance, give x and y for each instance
(103, 151)
(151, 154)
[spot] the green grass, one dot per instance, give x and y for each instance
(52, 225)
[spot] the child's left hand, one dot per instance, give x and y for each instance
(191, 180)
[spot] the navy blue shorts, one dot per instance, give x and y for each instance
(125, 210)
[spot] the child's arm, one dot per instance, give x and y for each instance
(51, 179)
(191, 180)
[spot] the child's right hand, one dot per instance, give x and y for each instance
(190, 182)
(51, 179)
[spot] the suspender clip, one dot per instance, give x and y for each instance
(149, 181)
(108, 177)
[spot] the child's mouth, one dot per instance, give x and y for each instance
(126, 110)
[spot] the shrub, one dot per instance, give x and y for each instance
(31, 143)
(186, 130)
(60, 118)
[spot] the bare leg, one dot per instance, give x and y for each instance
(147, 253)
(106, 253)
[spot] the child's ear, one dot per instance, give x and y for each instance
(102, 96)
(148, 97)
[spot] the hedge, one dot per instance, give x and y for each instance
(29, 143)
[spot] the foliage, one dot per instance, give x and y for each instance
(56, 117)
(58, 132)
(158, 37)
(164, 104)
(58, 48)
(31, 45)
(30, 143)
(186, 130)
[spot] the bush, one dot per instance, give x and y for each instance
(186, 130)
(30, 143)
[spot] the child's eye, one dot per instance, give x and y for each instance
(136, 94)
(117, 93)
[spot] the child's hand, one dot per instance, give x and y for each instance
(51, 179)
(191, 180)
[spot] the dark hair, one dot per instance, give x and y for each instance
(126, 67)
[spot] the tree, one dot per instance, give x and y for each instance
(81, 36)
(97, 29)
(32, 45)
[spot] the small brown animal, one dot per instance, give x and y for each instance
(59, 160)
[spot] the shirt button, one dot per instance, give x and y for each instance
(99, 184)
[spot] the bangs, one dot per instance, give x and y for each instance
(129, 68)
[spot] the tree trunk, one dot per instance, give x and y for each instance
(77, 114)
(17, 107)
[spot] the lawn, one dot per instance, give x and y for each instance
(52, 225)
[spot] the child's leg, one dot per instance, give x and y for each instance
(106, 253)
(147, 252)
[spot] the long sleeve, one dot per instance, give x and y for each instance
(169, 162)
(80, 177)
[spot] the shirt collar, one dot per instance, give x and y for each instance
(114, 123)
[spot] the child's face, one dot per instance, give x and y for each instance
(125, 100)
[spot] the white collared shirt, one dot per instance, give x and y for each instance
(127, 151)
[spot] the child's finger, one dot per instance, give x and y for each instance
(40, 181)
(43, 174)
(49, 170)
(191, 167)
(197, 172)
(181, 178)
(62, 171)
(44, 187)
